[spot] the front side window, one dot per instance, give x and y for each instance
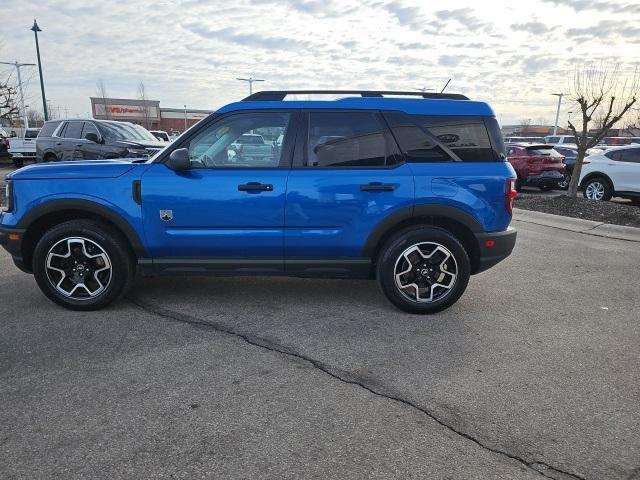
(89, 128)
(348, 139)
(241, 140)
(73, 130)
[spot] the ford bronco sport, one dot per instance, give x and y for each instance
(413, 192)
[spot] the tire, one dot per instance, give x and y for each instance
(564, 183)
(597, 188)
(83, 265)
(50, 157)
(444, 279)
(18, 162)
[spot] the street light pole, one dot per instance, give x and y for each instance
(555, 125)
(35, 29)
(250, 81)
(185, 118)
(22, 107)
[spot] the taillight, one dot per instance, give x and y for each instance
(510, 194)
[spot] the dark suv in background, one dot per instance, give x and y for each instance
(94, 140)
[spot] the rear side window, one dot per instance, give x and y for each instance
(615, 155)
(48, 129)
(415, 142)
(349, 139)
(73, 130)
(425, 138)
(631, 155)
(541, 151)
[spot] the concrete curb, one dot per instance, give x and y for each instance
(587, 227)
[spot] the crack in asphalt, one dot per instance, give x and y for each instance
(540, 467)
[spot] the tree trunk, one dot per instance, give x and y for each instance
(575, 175)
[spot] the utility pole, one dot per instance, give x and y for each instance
(35, 29)
(555, 125)
(250, 81)
(22, 107)
(185, 118)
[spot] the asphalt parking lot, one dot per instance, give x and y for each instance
(533, 373)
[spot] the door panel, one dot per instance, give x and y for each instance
(227, 205)
(344, 184)
(330, 212)
(210, 216)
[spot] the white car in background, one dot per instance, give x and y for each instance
(613, 172)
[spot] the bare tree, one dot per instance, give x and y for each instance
(101, 91)
(142, 95)
(601, 93)
(35, 118)
(8, 107)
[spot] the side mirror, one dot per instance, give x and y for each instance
(179, 160)
(92, 137)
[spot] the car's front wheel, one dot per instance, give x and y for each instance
(83, 265)
(597, 188)
(423, 270)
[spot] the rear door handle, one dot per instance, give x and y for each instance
(255, 187)
(377, 187)
(59, 143)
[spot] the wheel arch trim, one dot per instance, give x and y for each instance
(88, 206)
(390, 222)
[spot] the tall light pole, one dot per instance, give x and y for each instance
(35, 29)
(250, 81)
(185, 118)
(23, 108)
(555, 125)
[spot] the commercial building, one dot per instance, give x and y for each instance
(147, 113)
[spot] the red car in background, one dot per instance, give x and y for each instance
(537, 165)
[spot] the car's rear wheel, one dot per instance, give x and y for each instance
(564, 183)
(597, 188)
(423, 270)
(83, 265)
(50, 157)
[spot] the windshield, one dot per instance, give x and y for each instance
(124, 131)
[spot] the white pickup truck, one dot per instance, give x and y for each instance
(21, 148)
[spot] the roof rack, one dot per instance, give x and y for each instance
(278, 95)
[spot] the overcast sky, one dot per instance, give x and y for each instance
(512, 54)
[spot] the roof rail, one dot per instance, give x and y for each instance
(277, 95)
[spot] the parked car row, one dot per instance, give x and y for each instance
(614, 172)
(94, 140)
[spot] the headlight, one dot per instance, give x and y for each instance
(8, 196)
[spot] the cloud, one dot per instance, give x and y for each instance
(607, 29)
(536, 28)
(464, 17)
(582, 5)
(256, 40)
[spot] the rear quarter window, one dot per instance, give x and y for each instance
(425, 138)
(48, 129)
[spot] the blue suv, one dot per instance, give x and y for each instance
(413, 192)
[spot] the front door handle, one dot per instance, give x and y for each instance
(377, 187)
(255, 187)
